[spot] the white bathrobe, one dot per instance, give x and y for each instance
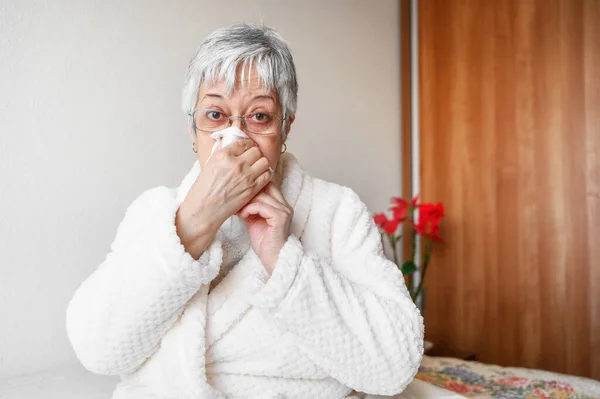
(335, 315)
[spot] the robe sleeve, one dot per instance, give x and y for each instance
(119, 314)
(350, 313)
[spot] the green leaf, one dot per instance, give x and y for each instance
(409, 267)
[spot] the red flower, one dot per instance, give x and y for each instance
(430, 216)
(400, 208)
(380, 219)
(391, 226)
(434, 212)
(388, 225)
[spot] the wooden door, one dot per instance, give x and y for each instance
(510, 143)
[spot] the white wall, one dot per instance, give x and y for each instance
(90, 117)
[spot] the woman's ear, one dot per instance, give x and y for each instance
(288, 125)
(191, 131)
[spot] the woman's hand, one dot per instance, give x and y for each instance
(228, 181)
(268, 217)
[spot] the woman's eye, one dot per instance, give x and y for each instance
(260, 117)
(214, 115)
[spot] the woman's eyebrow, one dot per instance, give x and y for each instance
(263, 96)
(213, 95)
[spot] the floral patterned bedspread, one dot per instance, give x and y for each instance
(478, 380)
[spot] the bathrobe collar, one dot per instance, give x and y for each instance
(229, 300)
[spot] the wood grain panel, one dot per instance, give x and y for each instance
(510, 142)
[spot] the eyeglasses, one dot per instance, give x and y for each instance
(212, 120)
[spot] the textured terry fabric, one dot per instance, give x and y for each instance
(234, 243)
(334, 315)
(120, 313)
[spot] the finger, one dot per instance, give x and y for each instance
(268, 199)
(251, 156)
(238, 147)
(260, 166)
(262, 180)
(266, 211)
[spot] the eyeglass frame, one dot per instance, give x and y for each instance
(242, 117)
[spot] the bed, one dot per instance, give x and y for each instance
(473, 379)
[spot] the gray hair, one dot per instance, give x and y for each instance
(261, 47)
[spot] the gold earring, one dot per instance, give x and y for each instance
(194, 147)
(284, 148)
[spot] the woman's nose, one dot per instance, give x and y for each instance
(237, 122)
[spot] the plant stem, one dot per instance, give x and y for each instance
(411, 281)
(393, 243)
(426, 259)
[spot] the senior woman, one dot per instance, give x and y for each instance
(251, 279)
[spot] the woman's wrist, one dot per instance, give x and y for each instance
(196, 230)
(207, 219)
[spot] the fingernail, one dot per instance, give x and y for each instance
(271, 169)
